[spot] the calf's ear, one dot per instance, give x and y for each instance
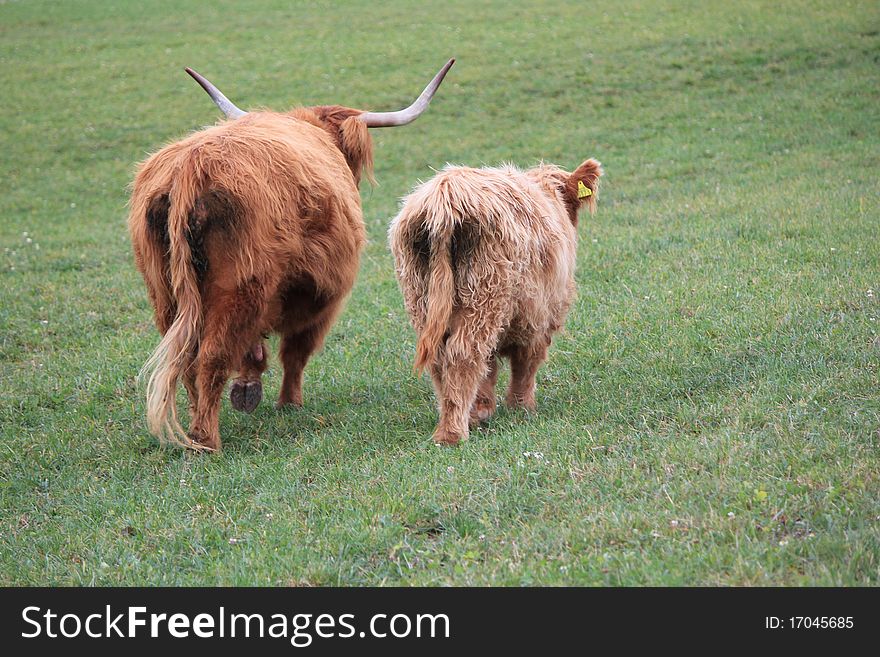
(582, 185)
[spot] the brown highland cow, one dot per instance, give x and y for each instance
(248, 227)
(485, 260)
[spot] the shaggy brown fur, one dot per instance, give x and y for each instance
(485, 260)
(248, 227)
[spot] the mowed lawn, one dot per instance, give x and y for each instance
(709, 416)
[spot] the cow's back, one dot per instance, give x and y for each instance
(279, 200)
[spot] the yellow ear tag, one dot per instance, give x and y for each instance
(583, 190)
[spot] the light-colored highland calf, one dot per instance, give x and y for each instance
(249, 227)
(485, 260)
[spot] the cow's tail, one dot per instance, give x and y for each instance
(179, 344)
(441, 293)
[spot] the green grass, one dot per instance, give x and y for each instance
(709, 416)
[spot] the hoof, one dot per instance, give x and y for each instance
(448, 438)
(287, 403)
(515, 401)
(201, 443)
(245, 395)
(481, 411)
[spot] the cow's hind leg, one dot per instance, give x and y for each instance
(247, 388)
(297, 345)
(231, 324)
(465, 364)
(467, 360)
(461, 378)
(524, 363)
(484, 404)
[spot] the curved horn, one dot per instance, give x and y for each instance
(225, 105)
(411, 113)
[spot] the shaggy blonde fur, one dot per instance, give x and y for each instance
(485, 259)
(241, 229)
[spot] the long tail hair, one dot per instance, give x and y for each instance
(175, 352)
(441, 293)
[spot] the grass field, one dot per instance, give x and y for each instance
(709, 416)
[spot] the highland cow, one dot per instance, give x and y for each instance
(485, 259)
(249, 227)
